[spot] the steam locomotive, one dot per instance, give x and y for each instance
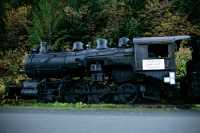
(141, 68)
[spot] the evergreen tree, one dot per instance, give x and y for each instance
(189, 8)
(75, 4)
(46, 20)
(137, 5)
(2, 15)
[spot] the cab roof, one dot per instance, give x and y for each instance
(159, 40)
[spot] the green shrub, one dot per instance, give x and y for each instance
(46, 20)
(182, 57)
(10, 64)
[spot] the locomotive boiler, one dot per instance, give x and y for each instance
(135, 69)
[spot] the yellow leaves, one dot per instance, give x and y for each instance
(11, 61)
(19, 15)
(165, 25)
(152, 4)
(172, 24)
(19, 78)
(70, 11)
(147, 34)
(5, 80)
(2, 87)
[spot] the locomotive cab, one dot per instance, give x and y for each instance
(155, 57)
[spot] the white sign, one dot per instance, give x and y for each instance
(171, 79)
(153, 64)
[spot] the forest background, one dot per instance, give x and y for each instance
(24, 23)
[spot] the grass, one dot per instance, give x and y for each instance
(65, 106)
(196, 106)
(112, 107)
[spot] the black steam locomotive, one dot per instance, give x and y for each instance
(142, 68)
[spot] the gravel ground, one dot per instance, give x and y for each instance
(73, 121)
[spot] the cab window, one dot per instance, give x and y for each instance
(158, 51)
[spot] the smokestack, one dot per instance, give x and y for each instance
(43, 47)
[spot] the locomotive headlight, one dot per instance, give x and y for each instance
(171, 79)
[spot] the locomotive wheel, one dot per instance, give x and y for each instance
(71, 93)
(71, 98)
(127, 93)
(93, 99)
(106, 98)
(99, 93)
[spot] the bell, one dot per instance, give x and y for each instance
(123, 42)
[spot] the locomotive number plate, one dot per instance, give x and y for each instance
(153, 64)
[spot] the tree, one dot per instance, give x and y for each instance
(171, 24)
(136, 5)
(47, 18)
(121, 20)
(86, 21)
(75, 4)
(189, 8)
(16, 31)
(2, 15)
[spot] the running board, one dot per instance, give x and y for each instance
(150, 98)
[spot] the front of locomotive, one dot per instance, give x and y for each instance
(41, 65)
